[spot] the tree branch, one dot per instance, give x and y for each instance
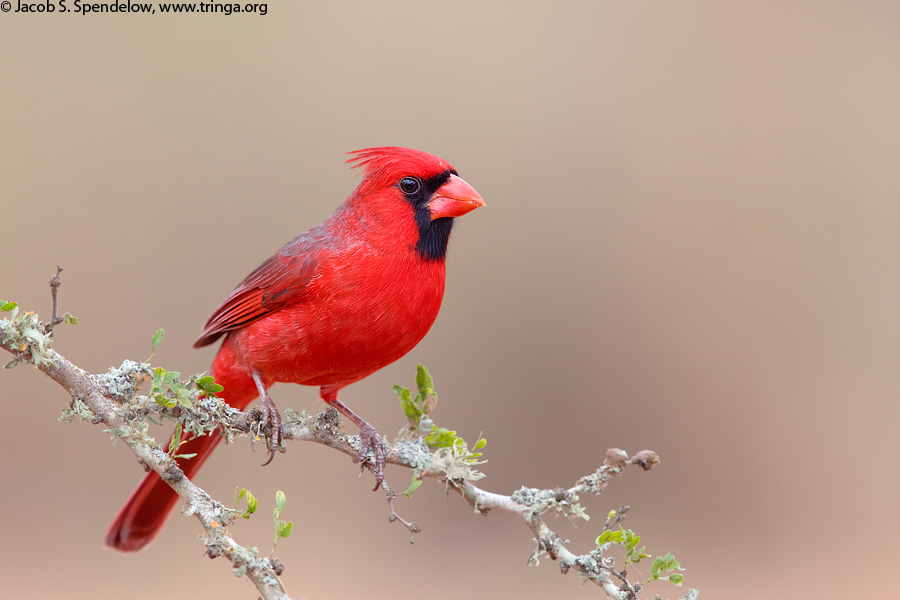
(94, 401)
(113, 399)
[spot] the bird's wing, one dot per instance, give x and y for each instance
(280, 280)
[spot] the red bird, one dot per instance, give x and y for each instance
(335, 304)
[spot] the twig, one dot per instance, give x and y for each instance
(632, 590)
(395, 516)
(55, 282)
(617, 518)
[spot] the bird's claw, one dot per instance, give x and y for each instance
(369, 440)
(272, 418)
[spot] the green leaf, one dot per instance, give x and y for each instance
(157, 338)
(184, 397)
(610, 537)
(163, 401)
(282, 529)
(664, 564)
(639, 555)
(441, 437)
(669, 562)
(252, 502)
(631, 540)
(426, 400)
(416, 482)
(285, 529)
(411, 411)
(71, 319)
(158, 375)
(8, 306)
(175, 442)
(208, 385)
(424, 381)
(657, 563)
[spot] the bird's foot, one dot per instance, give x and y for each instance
(270, 416)
(370, 441)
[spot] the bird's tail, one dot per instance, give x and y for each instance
(150, 503)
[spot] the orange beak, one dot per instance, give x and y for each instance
(454, 199)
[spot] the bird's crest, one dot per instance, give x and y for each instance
(392, 162)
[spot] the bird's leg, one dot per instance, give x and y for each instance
(368, 437)
(270, 415)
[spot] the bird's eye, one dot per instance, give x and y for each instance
(409, 185)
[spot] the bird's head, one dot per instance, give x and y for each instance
(402, 178)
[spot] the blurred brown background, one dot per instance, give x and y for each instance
(690, 245)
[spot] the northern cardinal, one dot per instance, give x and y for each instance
(334, 305)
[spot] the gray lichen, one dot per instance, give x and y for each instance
(558, 500)
(24, 330)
